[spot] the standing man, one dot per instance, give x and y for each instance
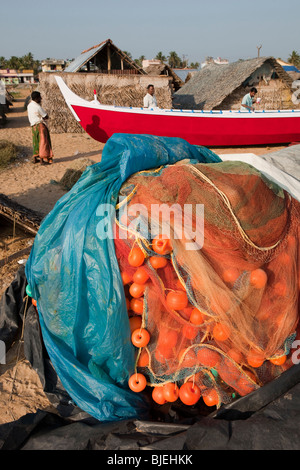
(149, 99)
(248, 100)
(2, 103)
(42, 150)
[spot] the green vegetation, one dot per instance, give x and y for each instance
(26, 62)
(8, 153)
(294, 59)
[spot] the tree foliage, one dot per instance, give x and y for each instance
(26, 62)
(160, 56)
(294, 59)
(174, 60)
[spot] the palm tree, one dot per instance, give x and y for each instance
(27, 61)
(128, 54)
(174, 59)
(14, 63)
(161, 57)
(139, 61)
(3, 63)
(294, 59)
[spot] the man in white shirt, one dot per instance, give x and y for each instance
(248, 100)
(42, 149)
(149, 99)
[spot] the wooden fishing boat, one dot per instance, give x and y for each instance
(208, 128)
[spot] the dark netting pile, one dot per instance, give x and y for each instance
(209, 257)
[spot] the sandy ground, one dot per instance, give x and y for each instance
(33, 186)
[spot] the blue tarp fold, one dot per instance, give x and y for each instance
(75, 278)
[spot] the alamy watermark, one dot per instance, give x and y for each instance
(184, 223)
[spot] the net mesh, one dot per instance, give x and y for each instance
(240, 278)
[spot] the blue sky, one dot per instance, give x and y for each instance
(195, 29)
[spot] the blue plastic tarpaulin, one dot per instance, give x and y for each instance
(75, 277)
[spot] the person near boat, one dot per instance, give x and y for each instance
(149, 98)
(42, 148)
(249, 100)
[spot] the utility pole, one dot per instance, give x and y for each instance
(258, 50)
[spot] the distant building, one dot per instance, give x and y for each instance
(14, 77)
(53, 65)
(148, 62)
(211, 60)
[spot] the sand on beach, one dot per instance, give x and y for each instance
(33, 186)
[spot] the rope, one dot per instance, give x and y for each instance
(228, 205)
(18, 355)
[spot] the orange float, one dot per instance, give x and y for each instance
(135, 323)
(189, 393)
(189, 331)
(34, 302)
(158, 262)
(137, 305)
(235, 355)
(210, 397)
(136, 257)
(171, 392)
(258, 278)
(255, 358)
(221, 332)
(143, 360)
(136, 290)
(158, 395)
(161, 245)
(163, 354)
(140, 276)
(126, 277)
(280, 288)
(186, 313)
(167, 338)
(177, 300)
(230, 275)
(278, 361)
(140, 337)
(244, 384)
(228, 372)
(208, 357)
(197, 317)
(137, 382)
(188, 357)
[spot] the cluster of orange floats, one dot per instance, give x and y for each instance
(189, 392)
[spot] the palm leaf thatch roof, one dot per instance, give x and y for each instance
(164, 69)
(88, 54)
(208, 88)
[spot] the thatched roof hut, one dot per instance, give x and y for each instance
(105, 58)
(223, 86)
(164, 69)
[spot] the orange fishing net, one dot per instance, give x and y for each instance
(217, 320)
